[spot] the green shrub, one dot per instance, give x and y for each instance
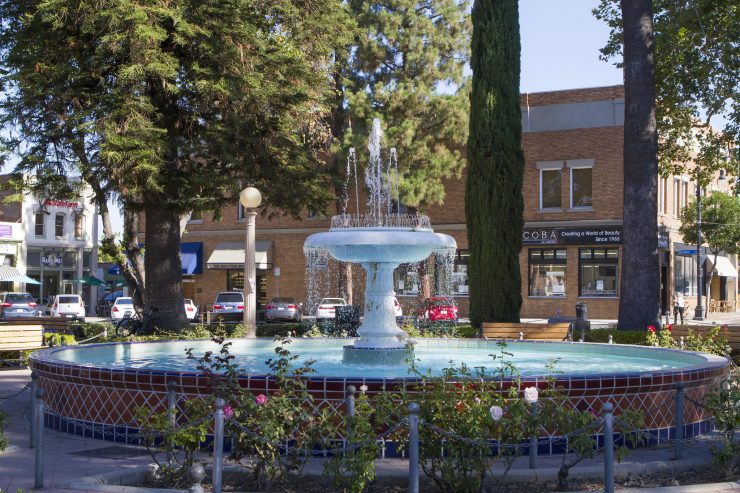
(56, 339)
(618, 336)
(83, 332)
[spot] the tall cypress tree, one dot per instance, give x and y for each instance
(494, 204)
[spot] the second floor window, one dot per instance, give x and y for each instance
(581, 192)
(550, 179)
(79, 226)
(59, 225)
(39, 223)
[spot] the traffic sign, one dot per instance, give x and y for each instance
(686, 252)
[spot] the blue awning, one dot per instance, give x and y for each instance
(192, 257)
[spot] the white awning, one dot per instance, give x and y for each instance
(230, 255)
(723, 268)
(7, 272)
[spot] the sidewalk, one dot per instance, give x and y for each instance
(68, 458)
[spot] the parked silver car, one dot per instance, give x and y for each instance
(229, 305)
(17, 305)
(283, 309)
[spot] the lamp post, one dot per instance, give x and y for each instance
(250, 198)
(699, 311)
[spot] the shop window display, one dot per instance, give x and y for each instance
(547, 272)
(598, 268)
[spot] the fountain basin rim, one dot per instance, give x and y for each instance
(707, 361)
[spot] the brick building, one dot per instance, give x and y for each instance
(573, 224)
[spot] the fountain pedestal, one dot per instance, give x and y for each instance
(381, 341)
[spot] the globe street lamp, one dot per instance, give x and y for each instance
(250, 198)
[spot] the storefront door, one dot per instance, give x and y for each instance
(51, 284)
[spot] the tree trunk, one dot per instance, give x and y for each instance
(346, 286)
(163, 236)
(639, 297)
(494, 203)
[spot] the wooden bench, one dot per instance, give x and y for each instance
(729, 332)
(17, 339)
(526, 331)
(49, 324)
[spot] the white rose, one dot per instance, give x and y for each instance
(496, 412)
(531, 394)
(363, 388)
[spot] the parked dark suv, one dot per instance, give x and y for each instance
(229, 305)
(17, 305)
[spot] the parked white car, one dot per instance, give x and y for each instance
(66, 305)
(191, 311)
(122, 308)
(327, 308)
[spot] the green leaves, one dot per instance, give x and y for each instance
(696, 72)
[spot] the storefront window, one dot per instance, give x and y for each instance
(234, 280)
(59, 225)
(547, 272)
(406, 280)
(684, 270)
(598, 271)
(460, 273)
(39, 223)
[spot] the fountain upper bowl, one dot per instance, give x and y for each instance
(380, 244)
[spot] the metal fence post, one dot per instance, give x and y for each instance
(38, 417)
(678, 452)
(413, 447)
(218, 444)
(34, 388)
(351, 390)
(608, 448)
(172, 412)
(534, 438)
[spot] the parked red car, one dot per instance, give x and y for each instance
(438, 309)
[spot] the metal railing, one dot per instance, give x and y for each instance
(603, 424)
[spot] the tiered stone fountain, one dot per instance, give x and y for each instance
(379, 241)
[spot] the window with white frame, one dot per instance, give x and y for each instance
(581, 183)
(196, 217)
(551, 176)
(79, 226)
(685, 193)
(59, 224)
(39, 219)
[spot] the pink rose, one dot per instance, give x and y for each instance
(228, 412)
(261, 399)
(669, 327)
(650, 328)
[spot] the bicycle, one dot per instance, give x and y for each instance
(135, 324)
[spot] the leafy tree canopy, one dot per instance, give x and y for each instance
(720, 223)
(185, 100)
(696, 70)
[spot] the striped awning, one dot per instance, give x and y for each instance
(7, 272)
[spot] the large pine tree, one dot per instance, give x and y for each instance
(639, 297)
(406, 68)
(171, 107)
(494, 204)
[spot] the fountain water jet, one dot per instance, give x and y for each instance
(379, 241)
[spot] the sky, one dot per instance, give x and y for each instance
(560, 50)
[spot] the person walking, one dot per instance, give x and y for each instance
(681, 306)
